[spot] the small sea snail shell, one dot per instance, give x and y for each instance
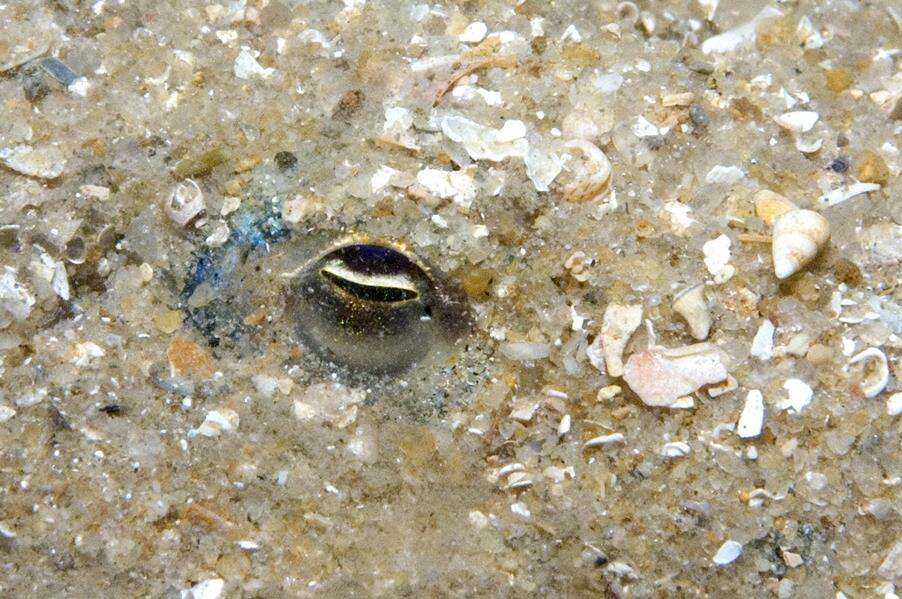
(876, 372)
(589, 173)
(372, 307)
(798, 236)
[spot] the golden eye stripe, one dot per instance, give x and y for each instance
(368, 287)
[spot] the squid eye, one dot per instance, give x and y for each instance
(374, 308)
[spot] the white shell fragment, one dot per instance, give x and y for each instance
(737, 37)
(458, 185)
(474, 33)
(47, 162)
(728, 553)
(247, 67)
(763, 342)
(841, 194)
(799, 121)
(891, 566)
(876, 372)
(329, 403)
(724, 174)
(216, 422)
(894, 404)
(50, 273)
(691, 305)
(6, 413)
(717, 257)
(617, 326)
(751, 420)
(15, 299)
(799, 395)
(86, 354)
(661, 377)
(798, 236)
(205, 589)
(485, 143)
(184, 203)
(676, 449)
(604, 440)
(523, 352)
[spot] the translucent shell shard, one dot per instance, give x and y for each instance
(373, 307)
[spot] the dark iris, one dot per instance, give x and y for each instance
(374, 259)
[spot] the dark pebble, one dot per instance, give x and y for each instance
(286, 161)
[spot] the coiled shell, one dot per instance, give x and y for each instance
(798, 236)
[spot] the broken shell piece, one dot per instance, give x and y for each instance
(739, 36)
(676, 449)
(728, 553)
(840, 195)
(809, 146)
(587, 176)
(604, 440)
(751, 420)
(617, 326)
(662, 376)
(876, 372)
(219, 235)
(799, 396)
(46, 162)
(727, 386)
(769, 206)
(763, 342)
(799, 121)
(485, 143)
(184, 203)
(76, 250)
(798, 236)
(523, 351)
(894, 404)
(15, 299)
(691, 305)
